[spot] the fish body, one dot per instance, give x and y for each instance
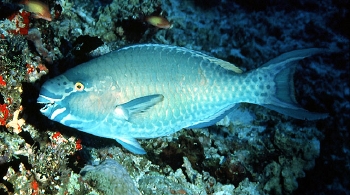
(150, 90)
(39, 9)
(159, 21)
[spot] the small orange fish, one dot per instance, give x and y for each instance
(38, 8)
(159, 21)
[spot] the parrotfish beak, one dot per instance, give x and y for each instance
(47, 103)
(48, 97)
(44, 100)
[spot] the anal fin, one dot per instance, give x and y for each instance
(211, 120)
(131, 144)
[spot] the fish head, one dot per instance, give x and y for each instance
(78, 100)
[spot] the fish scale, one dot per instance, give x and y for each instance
(151, 90)
(174, 92)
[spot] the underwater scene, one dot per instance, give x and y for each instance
(109, 97)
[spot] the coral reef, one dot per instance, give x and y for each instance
(252, 151)
(109, 177)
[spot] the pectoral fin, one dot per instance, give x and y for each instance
(138, 105)
(131, 144)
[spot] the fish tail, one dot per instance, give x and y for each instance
(283, 100)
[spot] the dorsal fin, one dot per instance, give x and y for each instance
(219, 62)
(226, 65)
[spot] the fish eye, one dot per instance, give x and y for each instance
(79, 86)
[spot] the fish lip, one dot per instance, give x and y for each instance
(46, 107)
(44, 100)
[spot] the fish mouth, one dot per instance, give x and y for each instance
(46, 107)
(46, 102)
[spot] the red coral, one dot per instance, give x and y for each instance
(30, 68)
(42, 67)
(2, 82)
(5, 114)
(78, 145)
(56, 135)
(21, 18)
(35, 187)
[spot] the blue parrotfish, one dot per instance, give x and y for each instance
(152, 90)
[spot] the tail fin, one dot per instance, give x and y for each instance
(284, 101)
